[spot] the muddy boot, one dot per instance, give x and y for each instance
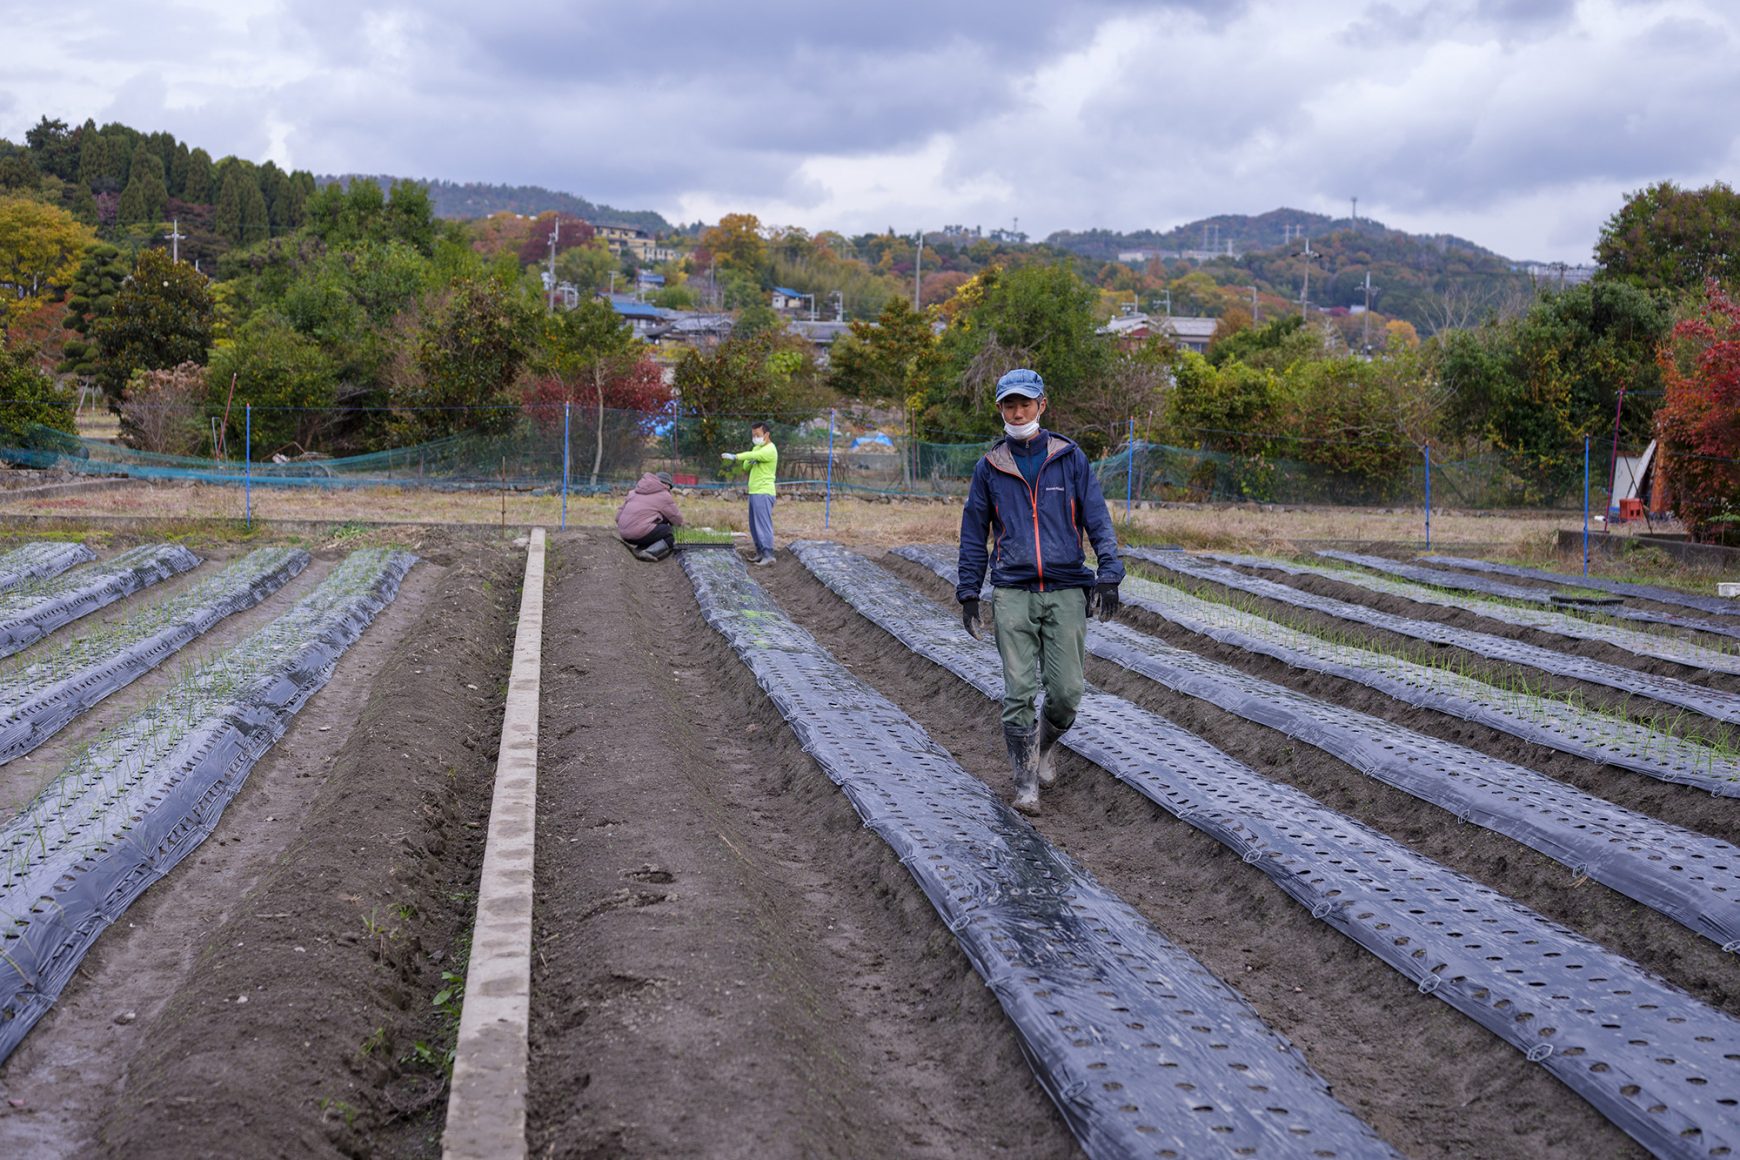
(1048, 738)
(657, 550)
(1024, 761)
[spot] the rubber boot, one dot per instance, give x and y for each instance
(1048, 738)
(1024, 761)
(764, 559)
(657, 550)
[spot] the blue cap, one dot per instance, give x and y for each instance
(1021, 381)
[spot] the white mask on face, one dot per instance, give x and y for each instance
(1024, 432)
(758, 440)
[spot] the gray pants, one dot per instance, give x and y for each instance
(761, 523)
(1042, 640)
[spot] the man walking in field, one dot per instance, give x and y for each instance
(762, 461)
(1033, 497)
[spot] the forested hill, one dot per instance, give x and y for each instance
(1432, 281)
(476, 199)
(1241, 232)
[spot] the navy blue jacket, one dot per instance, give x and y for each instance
(1035, 533)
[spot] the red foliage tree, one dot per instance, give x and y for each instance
(1698, 425)
(574, 232)
(617, 400)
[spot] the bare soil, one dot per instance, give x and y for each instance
(726, 963)
(263, 999)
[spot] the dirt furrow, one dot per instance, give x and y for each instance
(726, 962)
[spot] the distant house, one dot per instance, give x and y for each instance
(785, 298)
(1186, 333)
(643, 317)
(632, 240)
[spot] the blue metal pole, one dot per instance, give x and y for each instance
(1585, 505)
(1428, 450)
(565, 409)
(1130, 471)
(828, 487)
(248, 463)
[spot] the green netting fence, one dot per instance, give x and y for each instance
(579, 450)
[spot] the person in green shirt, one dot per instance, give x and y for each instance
(762, 460)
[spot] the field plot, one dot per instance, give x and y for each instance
(1290, 896)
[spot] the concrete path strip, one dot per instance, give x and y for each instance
(486, 1107)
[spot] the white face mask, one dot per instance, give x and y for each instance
(1024, 432)
(758, 440)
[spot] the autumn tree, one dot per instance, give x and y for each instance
(1698, 424)
(589, 355)
(40, 249)
(737, 243)
(569, 231)
(162, 317)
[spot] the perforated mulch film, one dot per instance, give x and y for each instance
(1598, 625)
(1711, 703)
(35, 608)
(40, 560)
(1143, 1049)
(1714, 605)
(39, 699)
(145, 794)
(1655, 1061)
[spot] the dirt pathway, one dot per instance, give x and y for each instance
(727, 962)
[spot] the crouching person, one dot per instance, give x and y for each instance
(648, 518)
(1034, 494)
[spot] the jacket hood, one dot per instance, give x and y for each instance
(650, 484)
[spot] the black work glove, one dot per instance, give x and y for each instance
(970, 617)
(1103, 601)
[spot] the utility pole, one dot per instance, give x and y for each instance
(1365, 319)
(1167, 294)
(175, 235)
(1353, 215)
(1256, 310)
(918, 267)
(555, 232)
(1310, 256)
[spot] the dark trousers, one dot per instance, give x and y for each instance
(661, 531)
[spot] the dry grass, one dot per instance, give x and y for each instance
(850, 519)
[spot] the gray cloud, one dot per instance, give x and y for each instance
(1525, 121)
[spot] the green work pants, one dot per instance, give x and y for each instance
(1042, 638)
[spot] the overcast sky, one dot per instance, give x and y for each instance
(1520, 124)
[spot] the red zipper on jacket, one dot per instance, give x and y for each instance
(1033, 502)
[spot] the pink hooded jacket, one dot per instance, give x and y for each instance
(649, 502)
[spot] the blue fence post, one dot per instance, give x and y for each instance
(1585, 505)
(828, 486)
(1428, 451)
(248, 464)
(1130, 471)
(565, 409)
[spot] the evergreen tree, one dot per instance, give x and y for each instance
(55, 147)
(91, 296)
(147, 194)
(162, 317)
(196, 182)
